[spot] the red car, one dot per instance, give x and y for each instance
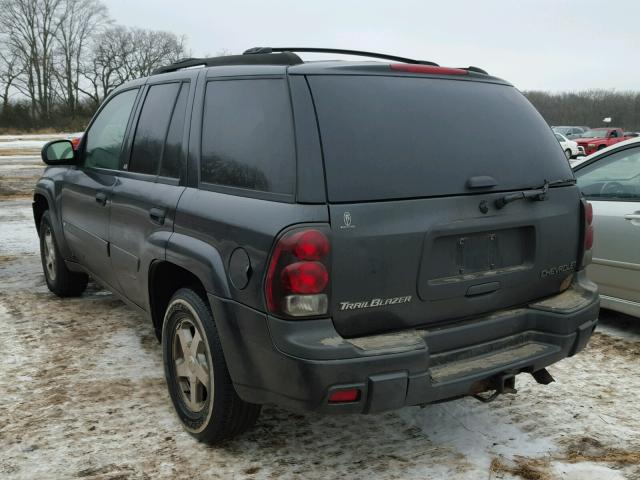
(599, 138)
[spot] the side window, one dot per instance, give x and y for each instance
(105, 136)
(247, 135)
(615, 177)
(172, 157)
(151, 130)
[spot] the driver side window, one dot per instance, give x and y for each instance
(614, 177)
(105, 137)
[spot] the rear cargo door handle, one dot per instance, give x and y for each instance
(158, 215)
(101, 198)
(482, 288)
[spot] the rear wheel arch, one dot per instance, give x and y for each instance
(166, 278)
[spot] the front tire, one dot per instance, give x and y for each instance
(196, 372)
(567, 153)
(60, 280)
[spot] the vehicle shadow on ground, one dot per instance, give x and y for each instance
(625, 325)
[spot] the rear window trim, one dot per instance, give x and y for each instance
(246, 192)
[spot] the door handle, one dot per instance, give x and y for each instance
(158, 215)
(632, 216)
(101, 198)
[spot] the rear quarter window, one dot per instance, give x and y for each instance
(247, 136)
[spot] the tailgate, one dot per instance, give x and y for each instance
(411, 263)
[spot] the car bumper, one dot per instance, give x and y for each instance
(297, 364)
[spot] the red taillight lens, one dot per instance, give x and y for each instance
(310, 245)
(305, 277)
(588, 213)
(413, 68)
(344, 396)
(588, 238)
(297, 280)
(587, 210)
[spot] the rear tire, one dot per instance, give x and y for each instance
(197, 375)
(567, 153)
(60, 280)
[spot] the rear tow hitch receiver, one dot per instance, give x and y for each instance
(543, 377)
(502, 383)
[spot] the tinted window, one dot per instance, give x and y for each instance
(388, 137)
(614, 177)
(104, 138)
(172, 157)
(247, 137)
(152, 128)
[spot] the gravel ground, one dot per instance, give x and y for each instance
(82, 395)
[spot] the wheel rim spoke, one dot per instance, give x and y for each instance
(49, 254)
(191, 366)
(193, 397)
(182, 370)
(184, 335)
(196, 342)
(201, 373)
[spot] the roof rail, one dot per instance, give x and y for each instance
(269, 50)
(284, 58)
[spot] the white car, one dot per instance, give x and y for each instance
(571, 148)
(610, 181)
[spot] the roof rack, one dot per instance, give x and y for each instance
(269, 50)
(284, 58)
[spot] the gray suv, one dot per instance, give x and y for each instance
(336, 236)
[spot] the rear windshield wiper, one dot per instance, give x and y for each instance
(535, 194)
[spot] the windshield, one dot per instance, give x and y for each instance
(595, 134)
(394, 137)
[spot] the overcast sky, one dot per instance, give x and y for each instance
(537, 45)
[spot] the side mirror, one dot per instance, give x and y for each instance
(58, 152)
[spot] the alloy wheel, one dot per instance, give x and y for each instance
(49, 254)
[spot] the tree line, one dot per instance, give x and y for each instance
(60, 58)
(589, 108)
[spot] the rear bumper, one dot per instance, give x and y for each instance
(298, 364)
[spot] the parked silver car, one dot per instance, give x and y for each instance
(610, 180)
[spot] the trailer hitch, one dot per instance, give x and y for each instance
(500, 384)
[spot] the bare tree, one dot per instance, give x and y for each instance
(121, 54)
(151, 49)
(79, 20)
(103, 71)
(11, 69)
(29, 28)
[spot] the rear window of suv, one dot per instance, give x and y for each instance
(391, 137)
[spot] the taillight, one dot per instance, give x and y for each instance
(297, 282)
(587, 210)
